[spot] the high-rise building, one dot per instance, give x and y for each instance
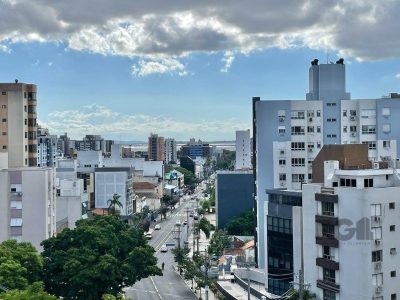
(170, 151)
(63, 145)
(288, 134)
(46, 148)
(195, 149)
(156, 147)
(18, 144)
(243, 150)
(91, 143)
(27, 204)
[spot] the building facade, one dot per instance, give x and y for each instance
(91, 143)
(47, 152)
(170, 151)
(243, 150)
(288, 134)
(156, 148)
(27, 205)
(18, 144)
(195, 149)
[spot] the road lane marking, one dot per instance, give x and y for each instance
(158, 293)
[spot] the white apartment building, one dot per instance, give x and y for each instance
(346, 235)
(27, 205)
(170, 151)
(115, 180)
(46, 148)
(18, 125)
(243, 150)
(290, 133)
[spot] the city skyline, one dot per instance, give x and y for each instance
(185, 69)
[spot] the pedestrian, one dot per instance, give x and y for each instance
(162, 266)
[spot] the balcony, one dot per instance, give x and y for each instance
(325, 219)
(327, 241)
(327, 262)
(328, 285)
(323, 197)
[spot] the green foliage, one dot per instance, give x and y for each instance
(242, 225)
(112, 297)
(32, 292)
(189, 178)
(295, 295)
(206, 226)
(212, 196)
(20, 264)
(219, 241)
(226, 160)
(191, 269)
(206, 205)
(113, 203)
(100, 256)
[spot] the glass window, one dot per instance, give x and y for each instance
(377, 279)
(377, 256)
(16, 222)
(386, 128)
(376, 210)
(386, 111)
(329, 275)
(376, 233)
(16, 204)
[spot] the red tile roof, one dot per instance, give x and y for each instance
(143, 186)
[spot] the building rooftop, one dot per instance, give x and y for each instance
(143, 186)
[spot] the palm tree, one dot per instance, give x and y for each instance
(112, 203)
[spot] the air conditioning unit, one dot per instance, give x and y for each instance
(393, 251)
(281, 119)
(377, 218)
(353, 134)
(310, 149)
(378, 289)
(282, 152)
(376, 166)
(282, 183)
(377, 242)
(19, 193)
(352, 118)
(378, 266)
(310, 120)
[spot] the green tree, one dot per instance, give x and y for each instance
(100, 256)
(206, 205)
(219, 241)
(212, 197)
(242, 225)
(295, 295)
(206, 226)
(32, 292)
(226, 160)
(20, 264)
(189, 178)
(113, 203)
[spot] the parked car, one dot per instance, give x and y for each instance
(195, 217)
(164, 248)
(185, 222)
(157, 227)
(178, 223)
(148, 235)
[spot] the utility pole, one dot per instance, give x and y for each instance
(187, 223)
(248, 282)
(301, 284)
(178, 238)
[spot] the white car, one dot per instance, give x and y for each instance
(157, 227)
(164, 248)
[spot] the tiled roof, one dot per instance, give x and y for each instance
(143, 186)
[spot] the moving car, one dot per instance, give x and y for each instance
(148, 235)
(185, 222)
(178, 223)
(164, 248)
(157, 227)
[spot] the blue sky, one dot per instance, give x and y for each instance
(123, 75)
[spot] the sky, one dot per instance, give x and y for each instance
(183, 68)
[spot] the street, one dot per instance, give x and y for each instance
(170, 285)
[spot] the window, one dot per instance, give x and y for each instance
(368, 113)
(368, 129)
(391, 205)
(318, 144)
(385, 111)
(318, 129)
(377, 279)
(376, 210)
(4, 133)
(4, 120)
(348, 182)
(298, 146)
(318, 113)
(371, 145)
(16, 204)
(392, 227)
(26, 135)
(353, 128)
(4, 93)
(297, 130)
(4, 147)
(282, 162)
(4, 106)
(297, 114)
(26, 121)
(331, 119)
(310, 129)
(329, 295)
(331, 104)
(377, 256)
(282, 177)
(280, 225)
(298, 162)
(353, 113)
(368, 182)
(329, 275)
(328, 230)
(16, 222)
(376, 233)
(310, 113)
(393, 251)
(386, 128)
(331, 135)
(281, 129)
(281, 113)
(25, 108)
(344, 128)
(393, 296)
(386, 144)
(309, 176)
(297, 177)
(345, 113)
(327, 209)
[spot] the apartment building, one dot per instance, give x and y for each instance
(346, 234)
(91, 143)
(47, 152)
(18, 144)
(156, 148)
(288, 134)
(243, 150)
(195, 149)
(27, 204)
(170, 151)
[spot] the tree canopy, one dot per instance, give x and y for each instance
(226, 160)
(32, 292)
(242, 225)
(189, 178)
(20, 264)
(100, 256)
(219, 241)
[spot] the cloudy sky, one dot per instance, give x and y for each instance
(182, 68)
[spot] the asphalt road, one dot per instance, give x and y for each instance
(170, 285)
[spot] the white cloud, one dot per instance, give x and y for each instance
(227, 60)
(158, 65)
(95, 119)
(397, 76)
(4, 48)
(50, 63)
